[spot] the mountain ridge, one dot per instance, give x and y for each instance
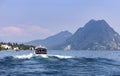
(52, 41)
(95, 35)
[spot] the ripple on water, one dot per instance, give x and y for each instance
(58, 65)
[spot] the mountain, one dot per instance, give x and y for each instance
(95, 35)
(52, 41)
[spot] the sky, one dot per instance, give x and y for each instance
(26, 20)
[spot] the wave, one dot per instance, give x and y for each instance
(63, 57)
(57, 58)
(31, 55)
(27, 56)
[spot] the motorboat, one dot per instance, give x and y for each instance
(40, 50)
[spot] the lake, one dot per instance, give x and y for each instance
(60, 63)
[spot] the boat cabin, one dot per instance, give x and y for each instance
(40, 50)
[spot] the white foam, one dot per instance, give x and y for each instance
(63, 57)
(28, 56)
(42, 55)
(24, 56)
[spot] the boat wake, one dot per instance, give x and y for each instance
(27, 56)
(31, 55)
(60, 64)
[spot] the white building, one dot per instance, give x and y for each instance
(16, 48)
(68, 47)
(6, 46)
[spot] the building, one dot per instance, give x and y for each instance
(5, 46)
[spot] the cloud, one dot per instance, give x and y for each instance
(10, 30)
(23, 33)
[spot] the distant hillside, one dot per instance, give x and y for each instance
(52, 41)
(95, 35)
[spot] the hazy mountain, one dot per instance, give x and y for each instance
(52, 41)
(95, 35)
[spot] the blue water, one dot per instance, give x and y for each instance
(60, 63)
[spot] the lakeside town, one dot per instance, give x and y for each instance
(15, 46)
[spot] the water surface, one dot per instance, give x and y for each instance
(60, 63)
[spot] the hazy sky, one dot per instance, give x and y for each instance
(25, 20)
